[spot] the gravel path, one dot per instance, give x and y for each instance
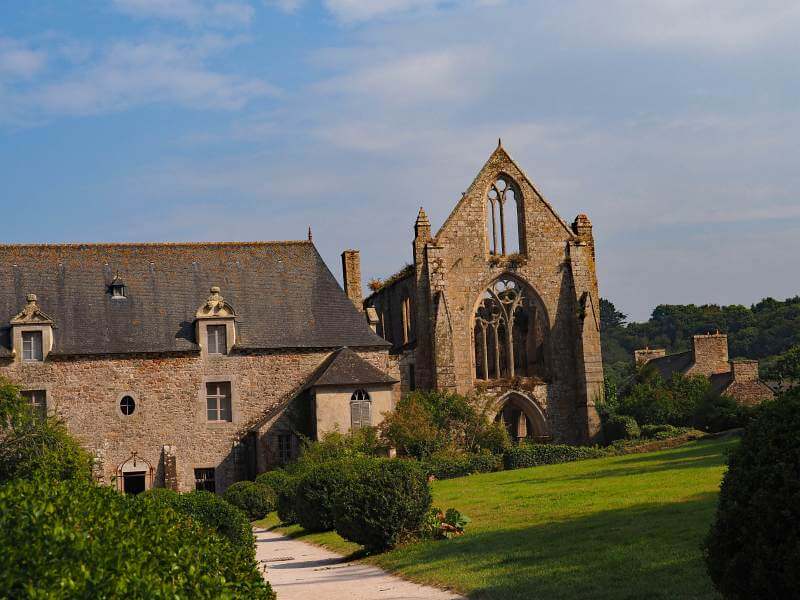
(300, 571)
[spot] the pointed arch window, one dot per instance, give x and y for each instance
(502, 216)
(509, 333)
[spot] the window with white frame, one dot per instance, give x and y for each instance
(32, 346)
(360, 410)
(37, 400)
(218, 401)
(217, 339)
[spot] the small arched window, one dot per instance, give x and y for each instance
(502, 216)
(360, 410)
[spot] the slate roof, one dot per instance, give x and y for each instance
(345, 367)
(672, 363)
(283, 294)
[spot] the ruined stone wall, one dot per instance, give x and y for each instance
(169, 391)
(458, 268)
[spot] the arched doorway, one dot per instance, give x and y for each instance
(522, 417)
(135, 475)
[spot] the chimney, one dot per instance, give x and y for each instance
(351, 276)
(710, 354)
(744, 370)
(582, 227)
(647, 354)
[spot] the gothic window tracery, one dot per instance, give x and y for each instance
(508, 334)
(502, 217)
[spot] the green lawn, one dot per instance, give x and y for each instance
(622, 527)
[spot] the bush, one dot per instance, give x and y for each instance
(720, 413)
(287, 498)
(334, 445)
(447, 465)
(532, 455)
(72, 539)
(655, 402)
(31, 446)
(493, 438)
(208, 510)
(317, 490)
(662, 432)
(620, 427)
(753, 548)
(255, 500)
(275, 480)
(385, 503)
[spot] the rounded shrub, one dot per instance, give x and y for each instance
(287, 498)
(275, 480)
(386, 502)
(620, 427)
(215, 513)
(317, 490)
(73, 539)
(753, 548)
(444, 465)
(254, 499)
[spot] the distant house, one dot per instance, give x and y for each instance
(709, 357)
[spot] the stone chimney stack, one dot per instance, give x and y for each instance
(647, 354)
(582, 227)
(744, 370)
(351, 276)
(710, 354)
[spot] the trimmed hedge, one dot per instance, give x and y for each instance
(384, 503)
(208, 510)
(73, 539)
(254, 499)
(287, 498)
(753, 548)
(317, 490)
(275, 480)
(447, 466)
(620, 427)
(662, 432)
(532, 455)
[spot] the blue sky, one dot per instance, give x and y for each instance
(673, 124)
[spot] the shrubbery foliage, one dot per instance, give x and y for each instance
(620, 427)
(383, 503)
(78, 540)
(532, 455)
(317, 491)
(445, 465)
(30, 445)
(287, 498)
(254, 499)
(753, 549)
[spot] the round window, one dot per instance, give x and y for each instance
(127, 405)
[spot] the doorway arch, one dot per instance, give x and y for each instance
(135, 475)
(523, 418)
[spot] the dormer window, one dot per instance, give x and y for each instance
(117, 288)
(32, 348)
(217, 339)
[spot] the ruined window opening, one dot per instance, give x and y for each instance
(502, 217)
(407, 319)
(32, 346)
(204, 480)
(38, 401)
(360, 410)
(217, 339)
(507, 337)
(218, 401)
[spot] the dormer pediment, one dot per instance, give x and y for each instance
(215, 307)
(31, 314)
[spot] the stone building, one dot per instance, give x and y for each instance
(189, 365)
(709, 357)
(502, 301)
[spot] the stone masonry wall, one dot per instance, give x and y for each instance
(169, 391)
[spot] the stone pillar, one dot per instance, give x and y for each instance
(423, 305)
(351, 276)
(170, 468)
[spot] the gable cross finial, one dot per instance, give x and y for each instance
(310, 237)
(499, 142)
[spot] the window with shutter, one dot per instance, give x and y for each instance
(360, 410)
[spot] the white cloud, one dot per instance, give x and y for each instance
(133, 74)
(190, 12)
(287, 6)
(364, 10)
(19, 61)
